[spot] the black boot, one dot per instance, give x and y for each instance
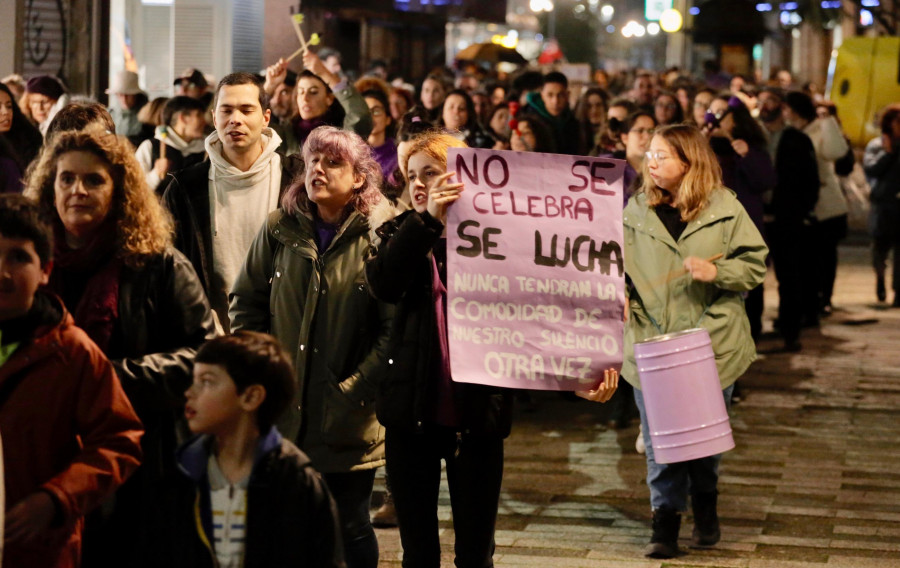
(880, 290)
(706, 520)
(664, 542)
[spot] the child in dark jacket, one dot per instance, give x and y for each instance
(251, 498)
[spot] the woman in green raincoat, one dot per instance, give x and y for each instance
(691, 251)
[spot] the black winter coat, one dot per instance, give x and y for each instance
(163, 318)
(797, 173)
(291, 517)
(399, 271)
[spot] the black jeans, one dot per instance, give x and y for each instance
(474, 474)
(787, 241)
(754, 305)
(826, 236)
(352, 492)
(886, 236)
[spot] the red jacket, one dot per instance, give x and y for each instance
(68, 429)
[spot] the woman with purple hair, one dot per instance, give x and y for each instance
(304, 282)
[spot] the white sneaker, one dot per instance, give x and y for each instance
(639, 443)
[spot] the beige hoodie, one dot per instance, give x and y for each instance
(239, 204)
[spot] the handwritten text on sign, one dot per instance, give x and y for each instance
(536, 269)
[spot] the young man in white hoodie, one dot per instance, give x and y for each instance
(183, 131)
(219, 205)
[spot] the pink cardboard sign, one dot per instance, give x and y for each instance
(536, 270)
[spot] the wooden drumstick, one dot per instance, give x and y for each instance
(674, 274)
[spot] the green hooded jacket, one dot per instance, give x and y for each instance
(318, 305)
(663, 298)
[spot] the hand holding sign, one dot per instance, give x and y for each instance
(441, 194)
(604, 391)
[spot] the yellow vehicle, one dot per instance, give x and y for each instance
(863, 77)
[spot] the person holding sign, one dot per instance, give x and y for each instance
(429, 417)
(682, 215)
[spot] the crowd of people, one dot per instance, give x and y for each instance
(221, 312)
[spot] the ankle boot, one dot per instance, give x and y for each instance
(664, 542)
(706, 520)
(386, 515)
(880, 290)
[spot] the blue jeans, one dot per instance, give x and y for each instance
(671, 483)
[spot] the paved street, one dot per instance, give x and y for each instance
(814, 481)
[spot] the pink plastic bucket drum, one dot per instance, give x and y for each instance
(682, 396)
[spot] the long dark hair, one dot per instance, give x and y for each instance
(544, 141)
(23, 138)
(679, 112)
(746, 128)
(586, 131)
(471, 119)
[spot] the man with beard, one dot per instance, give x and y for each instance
(789, 211)
(282, 100)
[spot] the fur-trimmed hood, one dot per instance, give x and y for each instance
(384, 211)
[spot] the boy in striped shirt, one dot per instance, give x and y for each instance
(253, 498)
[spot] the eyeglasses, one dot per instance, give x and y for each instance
(377, 111)
(670, 106)
(639, 131)
(658, 156)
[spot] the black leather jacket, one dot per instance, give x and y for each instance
(163, 318)
(400, 272)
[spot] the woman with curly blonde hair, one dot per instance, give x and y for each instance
(304, 282)
(139, 300)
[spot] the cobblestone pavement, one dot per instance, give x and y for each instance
(814, 480)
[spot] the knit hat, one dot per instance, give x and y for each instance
(46, 85)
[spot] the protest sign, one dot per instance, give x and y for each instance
(535, 269)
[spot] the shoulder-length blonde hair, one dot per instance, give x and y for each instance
(433, 144)
(142, 227)
(344, 146)
(702, 175)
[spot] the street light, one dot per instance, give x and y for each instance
(606, 13)
(671, 20)
(538, 6)
(633, 29)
